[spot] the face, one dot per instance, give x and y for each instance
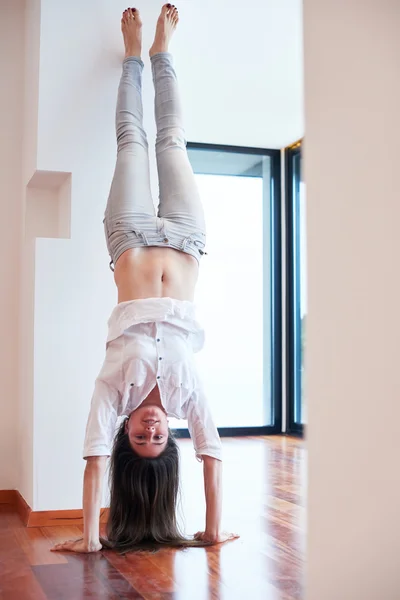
(147, 428)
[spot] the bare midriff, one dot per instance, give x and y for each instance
(156, 273)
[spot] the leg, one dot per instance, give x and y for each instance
(130, 194)
(179, 197)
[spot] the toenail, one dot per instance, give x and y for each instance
(168, 6)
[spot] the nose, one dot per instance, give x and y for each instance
(150, 428)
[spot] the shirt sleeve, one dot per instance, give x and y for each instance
(104, 408)
(101, 422)
(201, 426)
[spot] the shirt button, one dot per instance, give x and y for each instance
(166, 240)
(158, 340)
(132, 384)
(160, 358)
(158, 377)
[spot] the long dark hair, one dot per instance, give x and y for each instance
(144, 497)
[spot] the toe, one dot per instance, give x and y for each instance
(137, 16)
(174, 16)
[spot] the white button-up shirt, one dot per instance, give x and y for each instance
(151, 342)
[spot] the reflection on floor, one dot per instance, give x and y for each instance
(264, 501)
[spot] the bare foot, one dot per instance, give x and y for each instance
(166, 25)
(131, 27)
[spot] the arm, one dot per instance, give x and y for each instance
(97, 447)
(212, 471)
(208, 448)
(92, 497)
(213, 492)
(99, 436)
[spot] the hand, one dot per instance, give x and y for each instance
(77, 546)
(212, 538)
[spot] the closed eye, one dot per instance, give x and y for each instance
(145, 443)
(143, 437)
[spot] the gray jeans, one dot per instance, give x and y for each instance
(130, 218)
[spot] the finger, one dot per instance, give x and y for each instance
(60, 545)
(229, 537)
(65, 546)
(70, 542)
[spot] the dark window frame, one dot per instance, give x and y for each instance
(276, 297)
(293, 321)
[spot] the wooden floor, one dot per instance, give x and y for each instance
(264, 501)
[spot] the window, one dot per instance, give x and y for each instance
(239, 292)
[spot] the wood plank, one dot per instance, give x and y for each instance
(84, 576)
(264, 490)
(17, 581)
(149, 580)
(50, 518)
(36, 546)
(61, 533)
(197, 573)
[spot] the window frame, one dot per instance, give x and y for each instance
(293, 320)
(275, 286)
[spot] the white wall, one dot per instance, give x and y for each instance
(242, 86)
(352, 93)
(30, 224)
(241, 82)
(11, 103)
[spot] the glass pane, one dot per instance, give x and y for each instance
(233, 293)
(300, 287)
(230, 298)
(303, 292)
